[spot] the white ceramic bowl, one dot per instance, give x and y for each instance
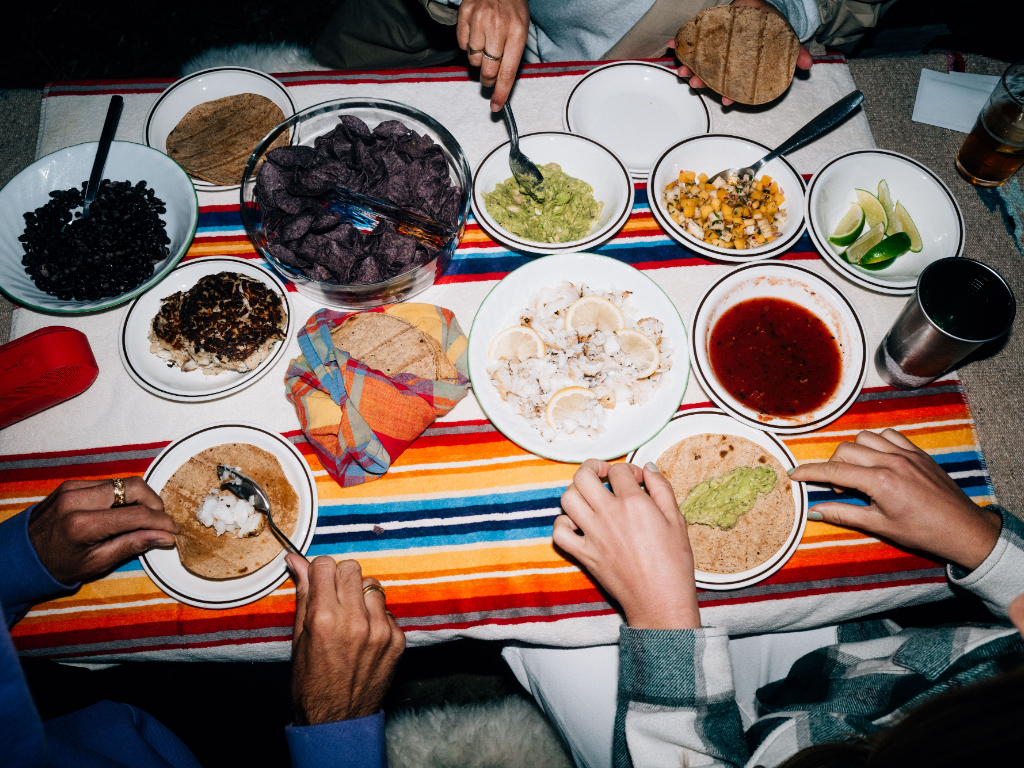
(700, 421)
(68, 168)
(627, 426)
(927, 199)
(170, 382)
(209, 85)
(711, 154)
(636, 109)
(802, 286)
(163, 564)
(581, 158)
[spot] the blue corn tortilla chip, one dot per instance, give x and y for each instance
(294, 227)
(293, 157)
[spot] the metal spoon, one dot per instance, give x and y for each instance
(823, 122)
(106, 137)
(249, 490)
(523, 168)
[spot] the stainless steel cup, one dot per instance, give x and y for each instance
(959, 305)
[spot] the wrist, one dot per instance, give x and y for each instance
(679, 615)
(975, 541)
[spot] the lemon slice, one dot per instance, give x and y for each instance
(871, 238)
(849, 228)
(874, 211)
(567, 402)
(643, 352)
(596, 311)
(892, 224)
(887, 249)
(516, 343)
(908, 226)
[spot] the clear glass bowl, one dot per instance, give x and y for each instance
(305, 127)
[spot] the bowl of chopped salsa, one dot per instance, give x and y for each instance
(586, 197)
(778, 347)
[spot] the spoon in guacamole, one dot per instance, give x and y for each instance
(523, 168)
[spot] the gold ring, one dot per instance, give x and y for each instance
(492, 58)
(375, 588)
(118, 492)
(471, 51)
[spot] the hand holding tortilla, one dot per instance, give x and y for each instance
(345, 644)
(756, 68)
(78, 535)
(632, 542)
(913, 502)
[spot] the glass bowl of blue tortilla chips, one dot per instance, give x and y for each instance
(364, 207)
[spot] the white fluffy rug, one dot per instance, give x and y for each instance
(266, 57)
(503, 733)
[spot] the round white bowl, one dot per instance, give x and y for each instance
(627, 426)
(636, 109)
(927, 199)
(209, 85)
(802, 286)
(69, 167)
(700, 421)
(581, 158)
(711, 154)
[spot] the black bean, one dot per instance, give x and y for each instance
(110, 252)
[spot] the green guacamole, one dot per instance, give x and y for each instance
(561, 210)
(721, 500)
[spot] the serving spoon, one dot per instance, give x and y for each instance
(523, 168)
(823, 122)
(249, 490)
(102, 150)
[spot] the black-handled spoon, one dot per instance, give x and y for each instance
(106, 137)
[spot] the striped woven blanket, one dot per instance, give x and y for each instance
(458, 531)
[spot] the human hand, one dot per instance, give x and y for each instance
(345, 645)
(803, 59)
(79, 535)
(633, 543)
(497, 27)
(913, 502)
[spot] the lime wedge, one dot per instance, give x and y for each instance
(874, 212)
(849, 228)
(887, 249)
(892, 225)
(871, 238)
(907, 225)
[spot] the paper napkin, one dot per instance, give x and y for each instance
(952, 100)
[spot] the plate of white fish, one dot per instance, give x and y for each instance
(578, 356)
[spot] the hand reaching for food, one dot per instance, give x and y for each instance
(747, 59)
(912, 501)
(345, 645)
(632, 541)
(493, 34)
(78, 533)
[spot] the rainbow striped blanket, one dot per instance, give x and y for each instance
(458, 530)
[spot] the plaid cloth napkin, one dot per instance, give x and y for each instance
(358, 420)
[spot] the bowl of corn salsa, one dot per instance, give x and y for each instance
(731, 218)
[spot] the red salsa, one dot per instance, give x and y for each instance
(775, 356)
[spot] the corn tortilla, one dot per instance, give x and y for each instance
(392, 345)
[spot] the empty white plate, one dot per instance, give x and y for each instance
(164, 566)
(636, 109)
(169, 381)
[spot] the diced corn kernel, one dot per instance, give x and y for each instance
(774, 187)
(703, 194)
(755, 205)
(705, 211)
(702, 178)
(688, 209)
(726, 211)
(766, 180)
(722, 193)
(687, 175)
(757, 217)
(670, 185)
(769, 238)
(779, 198)
(759, 186)
(739, 244)
(759, 237)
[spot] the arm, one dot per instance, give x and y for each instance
(344, 650)
(676, 702)
(26, 580)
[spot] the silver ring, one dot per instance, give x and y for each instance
(492, 58)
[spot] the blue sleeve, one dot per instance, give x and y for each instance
(22, 742)
(24, 580)
(803, 15)
(359, 741)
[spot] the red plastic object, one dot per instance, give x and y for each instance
(42, 369)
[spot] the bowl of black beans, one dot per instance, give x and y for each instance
(139, 227)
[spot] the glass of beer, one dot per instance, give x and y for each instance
(994, 149)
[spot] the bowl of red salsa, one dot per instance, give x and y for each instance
(778, 347)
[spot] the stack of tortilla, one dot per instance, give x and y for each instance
(761, 532)
(393, 346)
(227, 557)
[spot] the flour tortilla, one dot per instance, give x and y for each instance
(227, 557)
(214, 140)
(761, 532)
(745, 54)
(392, 345)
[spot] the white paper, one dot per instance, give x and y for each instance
(952, 100)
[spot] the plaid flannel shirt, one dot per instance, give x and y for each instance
(676, 703)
